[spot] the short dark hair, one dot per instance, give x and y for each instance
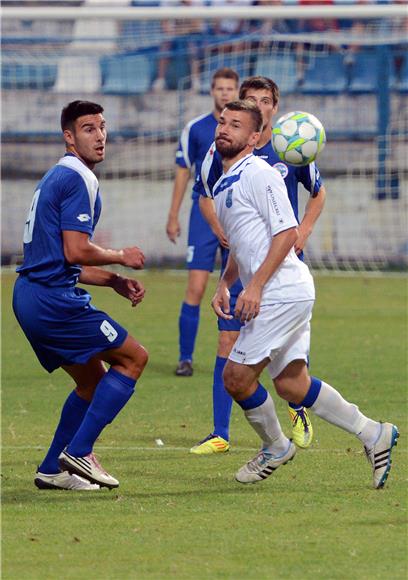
(259, 83)
(224, 73)
(76, 109)
(248, 107)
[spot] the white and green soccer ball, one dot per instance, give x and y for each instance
(298, 138)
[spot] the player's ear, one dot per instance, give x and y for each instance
(68, 137)
(254, 138)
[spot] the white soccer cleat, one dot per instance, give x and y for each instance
(89, 468)
(64, 480)
(379, 455)
(263, 465)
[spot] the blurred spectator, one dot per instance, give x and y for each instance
(230, 26)
(183, 36)
(267, 26)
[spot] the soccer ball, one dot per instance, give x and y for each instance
(298, 138)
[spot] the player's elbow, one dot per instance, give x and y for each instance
(293, 235)
(75, 254)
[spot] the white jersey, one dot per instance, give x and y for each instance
(252, 205)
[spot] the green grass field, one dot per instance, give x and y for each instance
(180, 516)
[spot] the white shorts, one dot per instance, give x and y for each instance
(280, 332)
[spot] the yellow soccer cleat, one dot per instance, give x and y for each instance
(302, 430)
(211, 444)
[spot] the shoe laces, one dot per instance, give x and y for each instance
(259, 460)
(301, 416)
(93, 459)
(208, 438)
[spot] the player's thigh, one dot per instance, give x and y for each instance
(130, 358)
(226, 340)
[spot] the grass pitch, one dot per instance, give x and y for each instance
(180, 516)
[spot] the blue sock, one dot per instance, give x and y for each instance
(255, 400)
(111, 395)
(295, 406)
(188, 328)
(222, 401)
(72, 415)
(312, 393)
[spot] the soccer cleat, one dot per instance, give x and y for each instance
(87, 467)
(211, 444)
(379, 455)
(63, 480)
(263, 465)
(184, 369)
(302, 429)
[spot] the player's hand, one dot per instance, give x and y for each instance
(130, 289)
(302, 239)
(221, 302)
(173, 229)
(222, 238)
(133, 258)
(248, 303)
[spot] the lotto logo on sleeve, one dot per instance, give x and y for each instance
(83, 217)
(108, 330)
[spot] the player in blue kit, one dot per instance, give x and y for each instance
(265, 94)
(65, 330)
(203, 244)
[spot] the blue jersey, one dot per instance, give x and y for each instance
(308, 176)
(67, 198)
(195, 141)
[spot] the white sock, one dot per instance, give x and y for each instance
(331, 406)
(265, 422)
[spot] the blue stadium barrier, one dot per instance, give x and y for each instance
(325, 75)
(28, 76)
(127, 74)
(363, 73)
(282, 69)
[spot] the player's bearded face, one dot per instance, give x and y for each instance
(229, 148)
(88, 138)
(233, 133)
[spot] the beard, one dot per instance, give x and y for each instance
(229, 150)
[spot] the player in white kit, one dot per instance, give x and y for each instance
(276, 305)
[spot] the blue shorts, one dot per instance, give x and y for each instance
(62, 326)
(235, 324)
(202, 242)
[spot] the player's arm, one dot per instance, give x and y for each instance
(221, 299)
(179, 188)
(249, 300)
(313, 209)
(79, 249)
(207, 209)
(129, 288)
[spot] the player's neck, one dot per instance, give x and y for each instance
(228, 163)
(265, 137)
(72, 151)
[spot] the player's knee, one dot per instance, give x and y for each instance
(194, 295)
(140, 359)
(232, 380)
